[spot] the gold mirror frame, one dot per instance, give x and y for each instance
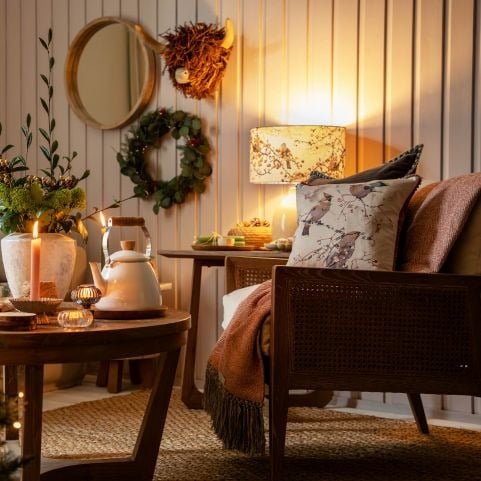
(72, 64)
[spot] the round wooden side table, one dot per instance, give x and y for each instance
(105, 340)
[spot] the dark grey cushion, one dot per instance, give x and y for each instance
(403, 165)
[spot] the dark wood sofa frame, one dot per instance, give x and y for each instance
(366, 331)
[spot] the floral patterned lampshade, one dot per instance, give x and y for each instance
(288, 154)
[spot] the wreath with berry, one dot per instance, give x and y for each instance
(148, 134)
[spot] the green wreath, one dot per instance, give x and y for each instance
(147, 135)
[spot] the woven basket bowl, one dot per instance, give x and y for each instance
(254, 236)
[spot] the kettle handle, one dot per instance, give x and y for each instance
(125, 222)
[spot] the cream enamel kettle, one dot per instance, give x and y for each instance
(128, 281)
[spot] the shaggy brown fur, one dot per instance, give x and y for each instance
(196, 47)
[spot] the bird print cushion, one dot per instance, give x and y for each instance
(350, 226)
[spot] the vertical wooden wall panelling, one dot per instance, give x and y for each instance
(148, 19)
(458, 74)
(13, 76)
(276, 78)
(428, 86)
(371, 83)
(44, 22)
(129, 10)
(60, 27)
(345, 74)
(110, 145)
(476, 89)
(318, 108)
(167, 220)
(3, 71)
(399, 74)
(30, 84)
(77, 138)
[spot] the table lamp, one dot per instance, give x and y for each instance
(287, 155)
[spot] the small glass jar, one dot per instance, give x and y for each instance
(75, 319)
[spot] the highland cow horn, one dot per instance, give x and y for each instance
(229, 34)
(157, 47)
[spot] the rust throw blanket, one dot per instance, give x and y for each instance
(234, 384)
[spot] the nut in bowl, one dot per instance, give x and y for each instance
(283, 244)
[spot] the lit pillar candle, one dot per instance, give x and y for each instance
(35, 264)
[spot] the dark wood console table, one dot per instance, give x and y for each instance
(191, 396)
(106, 340)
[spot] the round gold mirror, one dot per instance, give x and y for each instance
(109, 73)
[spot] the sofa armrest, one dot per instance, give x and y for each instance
(246, 271)
(377, 331)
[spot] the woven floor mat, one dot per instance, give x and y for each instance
(321, 444)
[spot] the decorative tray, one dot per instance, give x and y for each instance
(222, 248)
(129, 315)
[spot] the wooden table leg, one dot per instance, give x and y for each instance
(191, 396)
(141, 465)
(32, 422)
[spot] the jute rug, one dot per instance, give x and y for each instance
(322, 444)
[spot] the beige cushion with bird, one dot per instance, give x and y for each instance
(350, 226)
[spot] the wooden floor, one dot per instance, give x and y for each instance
(87, 391)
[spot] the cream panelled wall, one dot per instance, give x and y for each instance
(395, 72)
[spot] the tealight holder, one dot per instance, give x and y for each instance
(76, 319)
(86, 295)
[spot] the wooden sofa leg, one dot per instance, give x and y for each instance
(317, 399)
(418, 411)
(278, 407)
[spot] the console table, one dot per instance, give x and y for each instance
(191, 396)
(106, 340)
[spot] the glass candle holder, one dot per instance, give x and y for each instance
(75, 319)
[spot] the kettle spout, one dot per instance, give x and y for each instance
(99, 281)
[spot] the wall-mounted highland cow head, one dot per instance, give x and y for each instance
(196, 56)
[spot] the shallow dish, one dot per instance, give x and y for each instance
(45, 304)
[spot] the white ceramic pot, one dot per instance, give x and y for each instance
(57, 261)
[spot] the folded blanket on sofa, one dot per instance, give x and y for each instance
(234, 386)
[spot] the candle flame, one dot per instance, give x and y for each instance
(102, 219)
(35, 229)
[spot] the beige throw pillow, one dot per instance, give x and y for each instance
(350, 226)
